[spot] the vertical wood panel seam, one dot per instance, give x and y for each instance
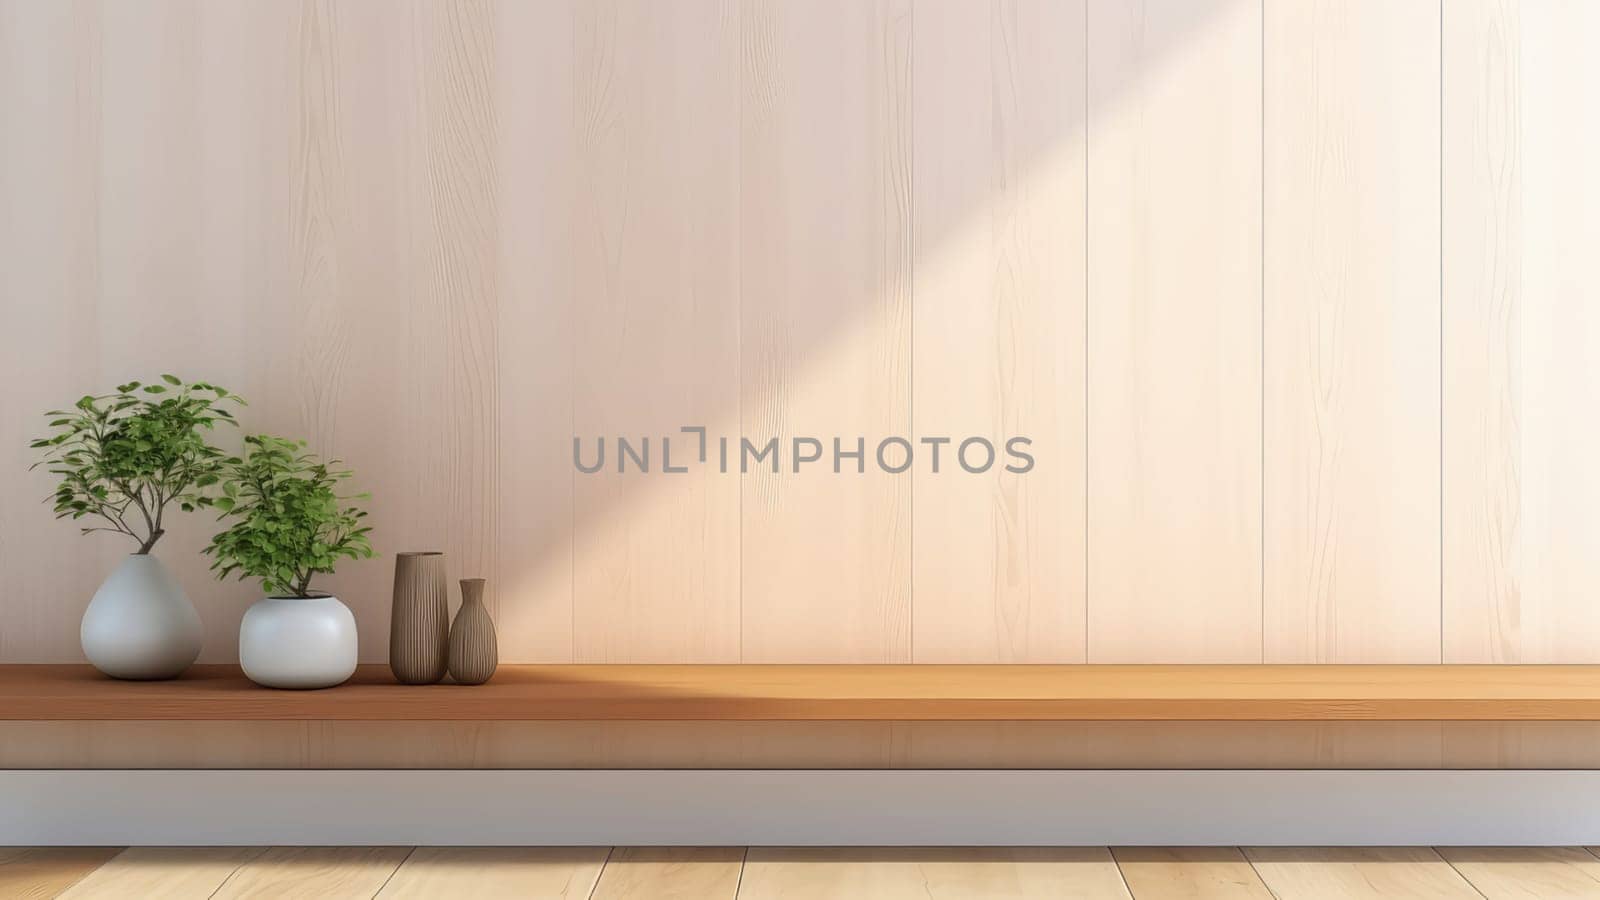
(1261, 325)
(908, 247)
(1440, 244)
(572, 347)
(1088, 439)
(738, 38)
(911, 307)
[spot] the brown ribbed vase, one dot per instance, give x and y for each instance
(474, 652)
(419, 624)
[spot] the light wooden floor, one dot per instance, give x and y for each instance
(763, 872)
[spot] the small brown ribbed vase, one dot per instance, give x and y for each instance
(474, 652)
(419, 625)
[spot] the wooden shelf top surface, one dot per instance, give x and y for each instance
(837, 692)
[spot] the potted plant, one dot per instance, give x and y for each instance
(289, 523)
(124, 459)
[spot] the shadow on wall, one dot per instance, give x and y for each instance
(438, 241)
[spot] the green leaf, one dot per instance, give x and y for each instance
(284, 518)
(120, 446)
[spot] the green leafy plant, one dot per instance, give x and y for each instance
(289, 520)
(125, 457)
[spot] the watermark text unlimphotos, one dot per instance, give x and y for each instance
(840, 455)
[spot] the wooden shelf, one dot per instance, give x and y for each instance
(837, 692)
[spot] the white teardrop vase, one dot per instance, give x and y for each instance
(140, 625)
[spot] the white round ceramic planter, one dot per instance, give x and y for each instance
(298, 642)
(140, 625)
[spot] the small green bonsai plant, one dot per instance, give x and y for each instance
(125, 457)
(288, 520)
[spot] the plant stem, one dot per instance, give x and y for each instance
(151, 528)
(149, 542)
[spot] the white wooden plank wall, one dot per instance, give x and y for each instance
(1295, 299)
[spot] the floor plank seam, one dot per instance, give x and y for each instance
(600, 875)
(1245, 855)
(1123, 876)
(1459, 874)
(76, 881)
(394, 872)
(260, 851)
